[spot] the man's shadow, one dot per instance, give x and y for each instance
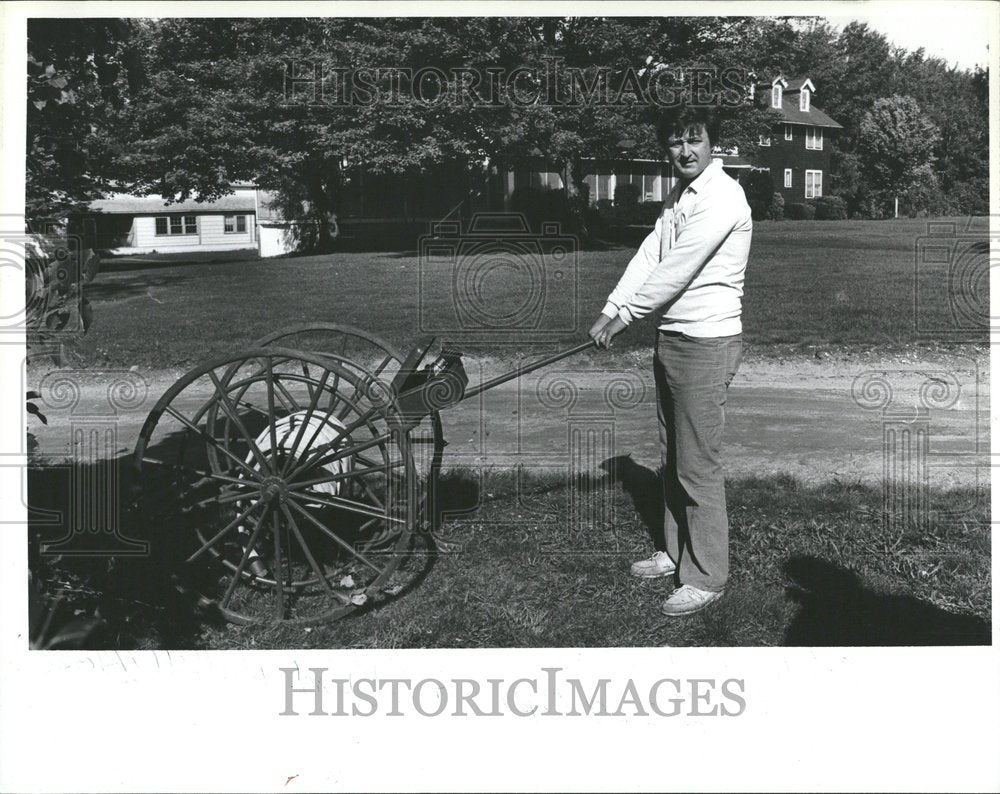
(837, 609)
(645, 487)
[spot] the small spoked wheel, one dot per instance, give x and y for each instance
(283, 483)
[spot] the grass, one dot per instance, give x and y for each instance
(828, 283)
(810, 566)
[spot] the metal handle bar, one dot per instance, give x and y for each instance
(524, 370)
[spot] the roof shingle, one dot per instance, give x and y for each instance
(122, 204)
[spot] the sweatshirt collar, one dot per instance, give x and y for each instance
(706, 176)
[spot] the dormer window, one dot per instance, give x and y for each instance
(776, 96)
(804, 100)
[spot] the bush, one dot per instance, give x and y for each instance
(759, 189)
(777, 209)
(647, 212)
(800, 212)
(546, 206)
(627, 195)
(830, 208)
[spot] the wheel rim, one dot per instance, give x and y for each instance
(289, 512)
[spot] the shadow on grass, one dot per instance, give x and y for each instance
(645, 488)
(837, 609)
(133, 597)
(132, 600)
(135, 287)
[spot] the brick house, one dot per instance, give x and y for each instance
(797, 152)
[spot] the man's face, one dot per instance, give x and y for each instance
(690, 153)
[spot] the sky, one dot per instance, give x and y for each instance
(957, 31)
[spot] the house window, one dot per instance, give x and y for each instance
(176, 224)
(776, 96)
(804, 100)
(765, 140)
(814, 184)
(788, 132)
(788, 177)
(235, 224)
(814, 138)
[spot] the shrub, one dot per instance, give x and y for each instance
(546, 206)
(830, 208)
(777, 209)
(627, 195)
(647, 213)
(759, 189)
(800, 212)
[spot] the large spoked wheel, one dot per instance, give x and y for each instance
(368, 355)
(284, 483)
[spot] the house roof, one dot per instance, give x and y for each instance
(122, 204)
(797, 83)
(790, 114)
(733, 161)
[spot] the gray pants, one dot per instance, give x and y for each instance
(692, 377)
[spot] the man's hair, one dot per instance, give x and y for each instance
(674, 122)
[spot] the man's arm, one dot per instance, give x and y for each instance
(706, 229)
(637, 272)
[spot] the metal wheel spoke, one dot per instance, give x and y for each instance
(231, 412)
(225, 499)
(211, 440)
(310, 411)
(272, 419)
(371, 494)
(343, 475)
(347, 504)
(311, 558)
(254, 537)
(288, 401)
(305, 371)
(368, 461)
(332, 457)
(279, 585)
(336, 538)
(205, 475)
(251, 406)
(228, 528)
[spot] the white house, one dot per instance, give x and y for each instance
(125, 224)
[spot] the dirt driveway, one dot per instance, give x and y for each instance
(855, 419)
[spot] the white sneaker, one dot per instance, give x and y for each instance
(687, 600)
(656, 565)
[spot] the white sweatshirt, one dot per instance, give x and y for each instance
(691, 266)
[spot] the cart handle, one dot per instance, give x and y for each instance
(525, 369)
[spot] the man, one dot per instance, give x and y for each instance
(689, 274)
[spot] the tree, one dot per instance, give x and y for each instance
(895, 141)
(78, 72)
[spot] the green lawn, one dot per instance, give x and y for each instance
(808, 283)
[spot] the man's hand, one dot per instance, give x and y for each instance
(605, 329)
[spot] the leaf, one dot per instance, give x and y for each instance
(40, 103)
(33, 410)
